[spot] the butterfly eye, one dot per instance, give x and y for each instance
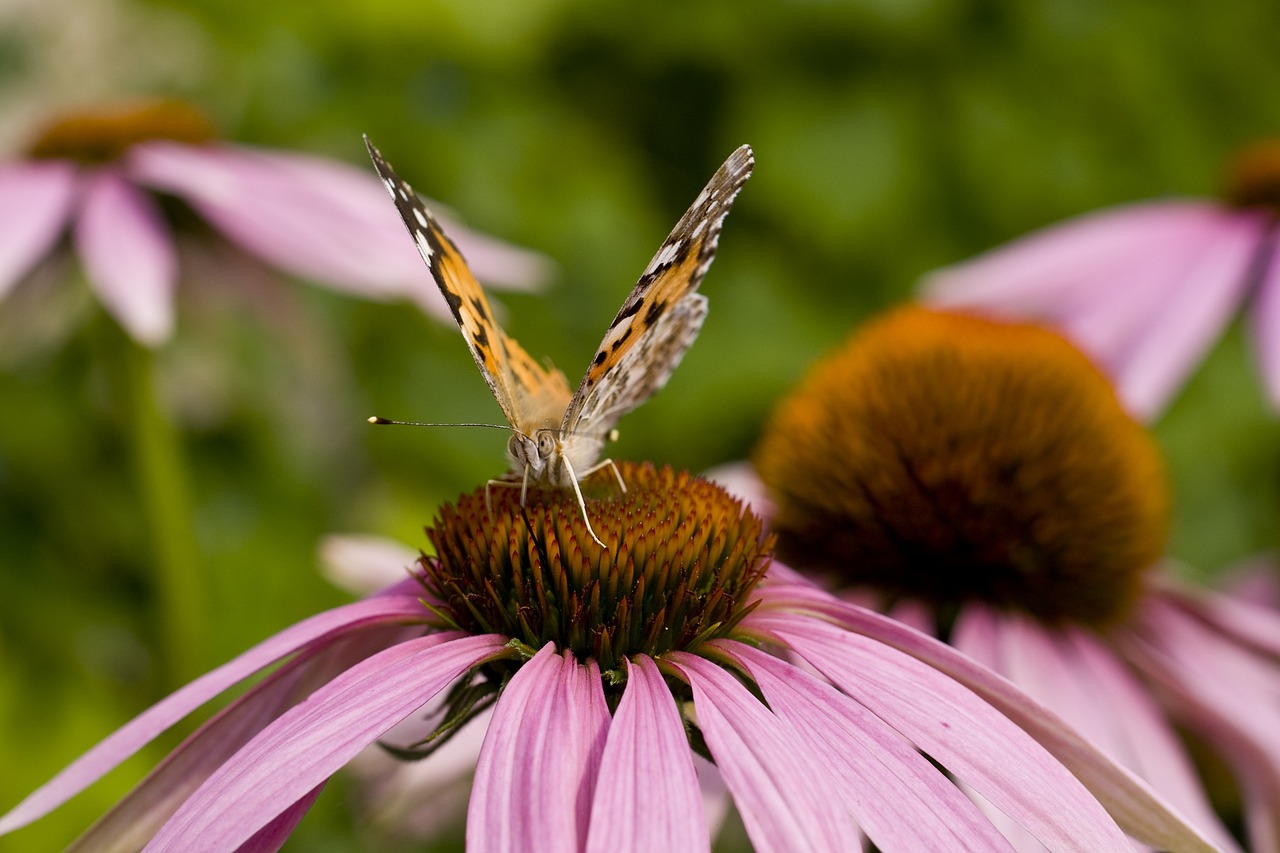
(546, 443)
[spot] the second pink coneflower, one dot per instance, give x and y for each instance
(981, 481)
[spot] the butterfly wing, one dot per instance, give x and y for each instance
(661, 316)
(530, 396)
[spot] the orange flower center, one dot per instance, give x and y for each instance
(104, 134)
(951, 459)
(1253, 177)
(682, 560)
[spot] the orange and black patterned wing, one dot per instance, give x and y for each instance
(529, 394)
(663, 313)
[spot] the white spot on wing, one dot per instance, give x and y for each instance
(665, 256)
(423, 246)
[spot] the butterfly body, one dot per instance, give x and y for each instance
(558, 434)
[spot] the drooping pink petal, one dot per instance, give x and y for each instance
(1067, 670)
(136, 818)
(35, 200)
(901, 801)
(363, 563)
(319, 219)
(1255, 581)
(1264, 321)
(307, 744)
(715, 796)
(784, 791)
(1248, 622)
(1191, 316)
(273, 836)
(647, 797)
(1139, 810)
(1145, 289)
(975, 634)
(740, 480)
(1201, 676)
(421, 799)
(1063, 266)
(383, 610)
(540, 760)
(959, 730)
(1112, 324)
(128, 255)
(1157, 753)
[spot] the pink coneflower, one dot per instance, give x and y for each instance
(981, 481)
(604, 671)
(1146, 288)
(105, 172)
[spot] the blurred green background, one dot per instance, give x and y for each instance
(890, 138)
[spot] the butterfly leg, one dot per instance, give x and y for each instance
(602, 464)
(582, 504)
(488, 504)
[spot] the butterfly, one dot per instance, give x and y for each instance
(558, 435)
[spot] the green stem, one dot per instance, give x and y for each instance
(179, 583)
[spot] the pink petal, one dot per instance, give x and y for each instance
(1139, 811)
(35, 200)
(1253, 624)
(1156, 752)
(539, 763)
(976, 634)
(1265, 322)
(363, 564)
(315, 218)
(740, 480)
(1062, 266)
(1255, 581)
(1188, 320)
(1109, 322)
(127, 740)
(1145, 289)
(308, 743)
(137, 817)
(1202, 678)
(273, 836)
(1067, 671)
(782, 788)
(960, 731)
(901, 801)
(128, 255)
(647, 797)
(421, 799)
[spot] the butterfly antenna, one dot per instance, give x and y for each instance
(377, 420)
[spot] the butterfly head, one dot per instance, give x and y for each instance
(534, 454)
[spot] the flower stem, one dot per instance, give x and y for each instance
(179, 583)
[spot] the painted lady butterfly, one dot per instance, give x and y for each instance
(558, 436)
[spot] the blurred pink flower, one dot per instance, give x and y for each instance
(574, 759)
(980, 481)
(101, 173)
(1146, 288)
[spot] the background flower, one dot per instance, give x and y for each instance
(319, 219)
(980, 480)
